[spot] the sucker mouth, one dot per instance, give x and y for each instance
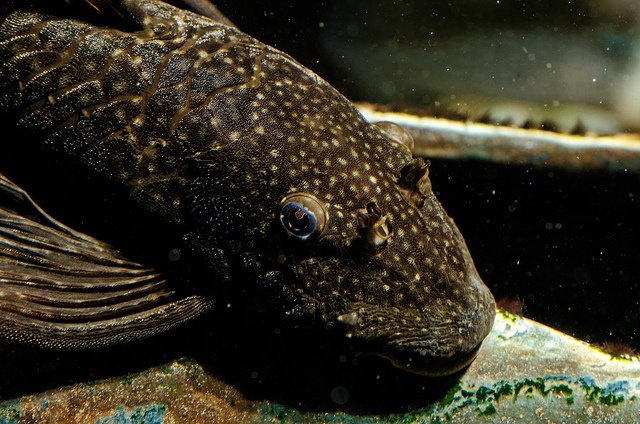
(440, 352)
(416, 363)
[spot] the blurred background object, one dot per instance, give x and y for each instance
(567, 61)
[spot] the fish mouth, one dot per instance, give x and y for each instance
(423, 341)
(426, 357)
(417, 362)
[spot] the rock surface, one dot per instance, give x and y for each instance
(525, 372)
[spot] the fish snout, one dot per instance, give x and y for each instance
(429, 340)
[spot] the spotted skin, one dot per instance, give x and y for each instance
(209, 129)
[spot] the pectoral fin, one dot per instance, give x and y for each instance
(63, 289)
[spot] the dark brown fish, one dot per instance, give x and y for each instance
(256, 165)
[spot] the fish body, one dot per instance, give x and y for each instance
(262, 171)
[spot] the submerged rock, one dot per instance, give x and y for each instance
(525, 372)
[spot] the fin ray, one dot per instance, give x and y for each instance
(56, 335)
(60, 288)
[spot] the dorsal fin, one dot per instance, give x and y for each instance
(63, 289)
(109, 9)
(136, 10)
(208, 9)
(144, 8)
(100, 6)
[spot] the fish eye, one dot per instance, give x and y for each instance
(302, 216)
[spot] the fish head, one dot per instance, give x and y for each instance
(334, 222)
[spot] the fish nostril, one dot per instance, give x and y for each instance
(381, 231)
(377, 228)
(414, 181)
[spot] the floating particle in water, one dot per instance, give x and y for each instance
(339, 395)
(174, 255)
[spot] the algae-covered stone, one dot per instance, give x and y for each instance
(525, 372)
